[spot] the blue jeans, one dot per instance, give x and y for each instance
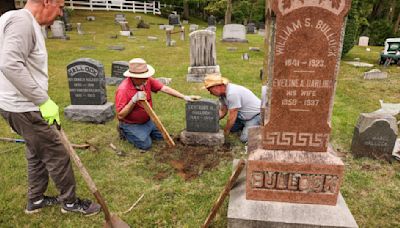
(244, 126)
(140, 135)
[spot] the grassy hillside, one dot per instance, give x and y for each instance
(175, 197)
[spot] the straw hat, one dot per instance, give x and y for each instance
(139, 69)
(214, 79)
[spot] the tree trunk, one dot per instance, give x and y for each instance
(392, 9)
(377, 10)
(228, 13)
(185, 9)
(6, 5)
(396, 24)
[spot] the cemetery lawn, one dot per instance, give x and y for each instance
(180, 186)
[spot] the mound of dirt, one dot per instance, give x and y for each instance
(191, 161)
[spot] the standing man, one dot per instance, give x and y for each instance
(134, 123)
(26, 106)
(241, 105)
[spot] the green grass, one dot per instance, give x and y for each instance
(371, 188)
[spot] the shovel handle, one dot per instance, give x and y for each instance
(85, 174)
(157, 122)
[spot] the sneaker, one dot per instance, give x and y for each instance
(86, 207)
(34, 207)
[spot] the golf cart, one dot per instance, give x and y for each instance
(391, 54)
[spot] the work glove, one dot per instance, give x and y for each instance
(139, 96)
(50, 112)
(191, 98)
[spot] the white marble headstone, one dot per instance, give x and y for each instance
(363, 41)
(234, 33)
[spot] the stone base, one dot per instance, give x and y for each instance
(197, 74)
(202, 138)
(90, 113)
(235, 40)
(114, 80)
(294, 176)
(244, 213)
(59, 37)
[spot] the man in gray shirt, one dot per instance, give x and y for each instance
(241, 105)
(26, 106)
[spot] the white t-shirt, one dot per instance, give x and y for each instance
(240, 97)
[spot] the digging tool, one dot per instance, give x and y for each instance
(76, 146)
(112, 221)
(157, 121)
(224, 193)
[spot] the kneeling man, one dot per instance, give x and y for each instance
(134, 123)
(241, 105)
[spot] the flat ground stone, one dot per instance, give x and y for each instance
(83, 48)
(90, 113)
(152, 38)
(116, 48)
(244, 213)
(254, 49)
(359, 64)
(202, 138)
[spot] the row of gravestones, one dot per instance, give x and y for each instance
(87, 88)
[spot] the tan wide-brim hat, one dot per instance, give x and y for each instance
(138, 68)
(214, 79)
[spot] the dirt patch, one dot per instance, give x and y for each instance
(191, 161)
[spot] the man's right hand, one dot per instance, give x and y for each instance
(139, 96)
(50, 112)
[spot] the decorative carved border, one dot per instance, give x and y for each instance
(296, 139)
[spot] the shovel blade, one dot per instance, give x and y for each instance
(115, 222)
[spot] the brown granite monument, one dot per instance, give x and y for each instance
(290, 160)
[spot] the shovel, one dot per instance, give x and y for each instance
(112, 221)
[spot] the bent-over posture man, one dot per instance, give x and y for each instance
(26, 106)
(135, 124)
(241, 105)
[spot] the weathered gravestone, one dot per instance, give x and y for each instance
(58, 30)
(88, 94)
(202, 124)
(374, 136)
(90, 18)
(212, 28)
(125, 30)
(193, 27)
(375, 74)
(234, 33)
(173, 19)
(290, 159)
(119, 18)
(117, 72)
(251, 28)
(203, 55)
(363, 41)
(65, 19)
(79, 29)
(212, 21)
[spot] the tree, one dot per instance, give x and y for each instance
(186, 9)
(6, 5)
(228, 12)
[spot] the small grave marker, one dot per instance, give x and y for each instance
(375, 136)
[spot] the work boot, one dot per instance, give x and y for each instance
(35, 206)
(86, 207)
